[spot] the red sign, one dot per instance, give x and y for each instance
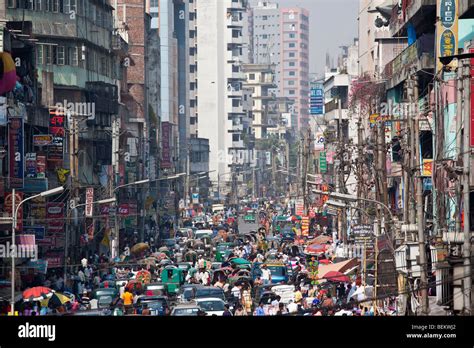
(124, 209)
(15, 152)
(472, 99)
(55, 216)
(56, 129)
(40, 167)
(8, 208)
(165, 145)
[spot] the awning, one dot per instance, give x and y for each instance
(337, 267)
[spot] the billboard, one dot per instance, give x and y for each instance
(56, 129)
(447, 30)
(316, 101)
(165, 145)
(15, 152)
(89, 200)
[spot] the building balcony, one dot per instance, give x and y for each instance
(418, 56)
(466, 9)
(231, 39)
(234, 20)
(414, 11)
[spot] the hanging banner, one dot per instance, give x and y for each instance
(16, 155)
(89, 200)
(447, 30)
(55, 218)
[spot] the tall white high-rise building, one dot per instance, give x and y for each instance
(219, 33)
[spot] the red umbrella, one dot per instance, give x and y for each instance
(336, 277)
(325, 261)
(316, 248)
(38, 293)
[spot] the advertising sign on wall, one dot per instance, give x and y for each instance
(56, 129)
(447, 30)
(89, 200)
(9, 208)
(30, 159)
(16, 155)
(40, 167)
(165, 145)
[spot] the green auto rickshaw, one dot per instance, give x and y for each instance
(250, 217)
(223, 250)
(172, 277)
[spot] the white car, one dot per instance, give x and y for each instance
(211, 305)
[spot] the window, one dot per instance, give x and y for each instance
(292, 63)
(264, 18)
(292, 73)
(73, 56)
(291, 92)
(235, 137)
(291, 83)
(292, 36)
(55, 5)
(39, 54)
(48, 55)
(292, 45)
(235, 103)
(252, 77)
(60, 55)
(11, 4)
(292, 55)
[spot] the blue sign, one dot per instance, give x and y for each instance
(35, 185)
(38, 231)
(427, 184)
(316, 101)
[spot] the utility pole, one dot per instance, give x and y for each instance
(466, 251)
(420, 207)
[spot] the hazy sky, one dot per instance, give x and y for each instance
(333, 23)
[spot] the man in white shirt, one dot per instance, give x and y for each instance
(266, 275)
(236, 292)
(292, 307)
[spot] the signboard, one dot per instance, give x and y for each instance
(195, 197)
(30, 159)
(305, 226)
(472, 99)
(38, 231)
(15, 151)
(323, 165)
(89, 200)
(427, 167)
(165, 145)
(55, 218)
(427, 184)
(299, 207)
(363, 234)
(56, 129)
(316, 101)
(319, 142)
(40, 167)
(42, 139)
(447, 30)
(124, 209)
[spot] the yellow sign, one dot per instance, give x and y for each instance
(447, 31)
(427, 167)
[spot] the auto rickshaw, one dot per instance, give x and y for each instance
(250, 217)
(223, 250)
(172, 277)
(190, 256)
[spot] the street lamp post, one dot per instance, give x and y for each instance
(15, 209)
